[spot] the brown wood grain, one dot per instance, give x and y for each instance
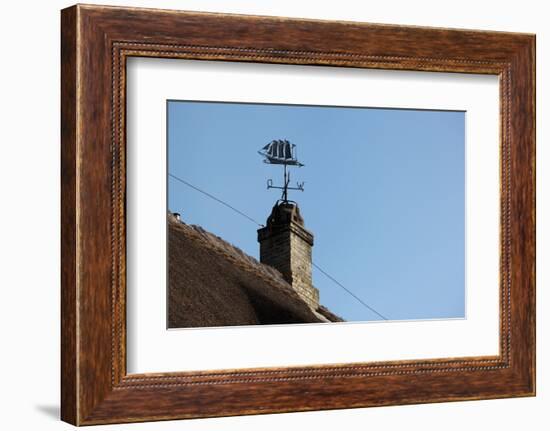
(96, 41)
(68, 217)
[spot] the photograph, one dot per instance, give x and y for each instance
(304, 214)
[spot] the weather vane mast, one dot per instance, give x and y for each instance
(282, 152)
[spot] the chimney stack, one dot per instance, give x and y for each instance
(285, 244)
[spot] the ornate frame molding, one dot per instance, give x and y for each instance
(96, 41)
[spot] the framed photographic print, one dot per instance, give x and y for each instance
(265, 214)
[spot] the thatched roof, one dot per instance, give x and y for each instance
(213, 283)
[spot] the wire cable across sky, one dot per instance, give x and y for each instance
(242, 214)
(216, 199)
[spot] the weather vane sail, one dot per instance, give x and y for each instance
(282, 152)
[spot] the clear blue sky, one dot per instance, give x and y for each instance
(384, 195)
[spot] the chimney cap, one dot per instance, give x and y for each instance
(285, 212)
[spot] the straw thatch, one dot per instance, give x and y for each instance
(213, 283)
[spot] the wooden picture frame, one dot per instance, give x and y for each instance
(95, 43)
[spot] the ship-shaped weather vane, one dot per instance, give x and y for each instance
(282, 152)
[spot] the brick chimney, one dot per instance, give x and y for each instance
(285, 244)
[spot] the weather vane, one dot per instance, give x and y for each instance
(282, 152)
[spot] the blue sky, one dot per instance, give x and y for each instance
(384, 195)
